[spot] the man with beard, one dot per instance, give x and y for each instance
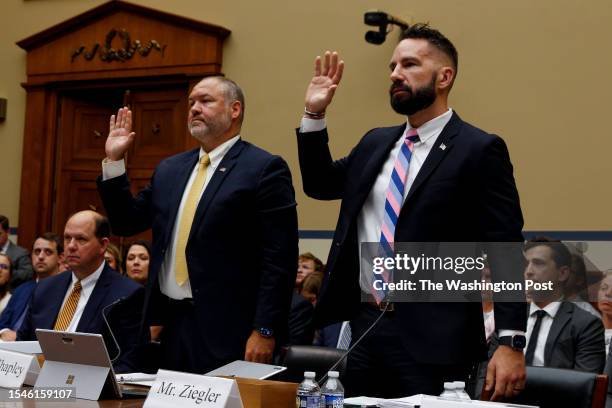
(224, 235)
(433, 179)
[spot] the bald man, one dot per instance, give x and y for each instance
(74, 300)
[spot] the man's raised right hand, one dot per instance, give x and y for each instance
(120, 135)
(324, 83)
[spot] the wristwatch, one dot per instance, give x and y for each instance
(265, 332)
(517, 342)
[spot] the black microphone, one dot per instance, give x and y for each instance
(346, 353)
(121, 299)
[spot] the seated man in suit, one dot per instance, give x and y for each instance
(559, 333)
(22, 268)
(75, 300)
(47, 253)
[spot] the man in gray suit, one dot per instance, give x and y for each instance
(22, 265)
(559, 334)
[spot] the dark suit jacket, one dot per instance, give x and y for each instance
(575, 340)
(301, 326)
(124, 317)
(242, 249)
(22, 265)
(464, 192)
(17, 305)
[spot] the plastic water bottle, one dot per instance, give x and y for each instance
(332, 393)
(460, 390)
(308, 393)
(449, 391)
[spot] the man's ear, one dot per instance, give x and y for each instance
(564, 273)
(104, 242)
(236, 109)
(446, 75)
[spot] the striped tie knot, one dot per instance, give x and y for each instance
(204, 160)
(412, 136)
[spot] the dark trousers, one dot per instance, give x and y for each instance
(381, 367)
(181, 344)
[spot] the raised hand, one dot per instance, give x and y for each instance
(120, 135)
(324, 83)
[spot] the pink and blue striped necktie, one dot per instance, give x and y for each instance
(393, 204)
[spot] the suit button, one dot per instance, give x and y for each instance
(338, 243)
(196, 291)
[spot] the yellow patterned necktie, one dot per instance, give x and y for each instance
(187, 216)
(67, 313)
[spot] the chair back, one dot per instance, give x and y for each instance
(311, 358)
(556, 387)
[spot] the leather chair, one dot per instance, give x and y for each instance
(310, 358)
(555, 387)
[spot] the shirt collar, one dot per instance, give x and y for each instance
(433, 127)
(217, 154)
(551, 309)
(91, 279)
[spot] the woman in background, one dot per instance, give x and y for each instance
(137, 258)
(113, 257)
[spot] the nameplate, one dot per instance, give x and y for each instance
(17, 369)
(177, 389)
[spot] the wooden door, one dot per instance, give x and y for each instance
(160, 117)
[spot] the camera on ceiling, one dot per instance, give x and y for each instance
(381, 20)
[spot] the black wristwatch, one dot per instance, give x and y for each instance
(265, 332)
(517, 342)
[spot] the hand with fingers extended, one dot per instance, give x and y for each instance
(120, 135)
(505, 373)
(324, 83)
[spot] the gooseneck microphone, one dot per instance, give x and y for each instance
(347, 352)
(121, 299)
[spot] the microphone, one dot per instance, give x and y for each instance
(346, 353)
(121, 299)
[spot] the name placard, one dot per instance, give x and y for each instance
(177, 389)
(17, 369)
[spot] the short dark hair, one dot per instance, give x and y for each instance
(4, 222)
(102, 227)
(143, 243)
(561, 255)
(53, 237)
(422, 31)
(232, 92)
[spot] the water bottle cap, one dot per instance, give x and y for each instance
(333, 374)
(449, 385)
(459, 384)
(309, 374)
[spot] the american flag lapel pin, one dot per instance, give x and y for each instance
(222, 169)
(442, 146)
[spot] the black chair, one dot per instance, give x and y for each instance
(555, 387)
(310, 358)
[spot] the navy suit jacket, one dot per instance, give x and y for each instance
(124, 317)
(464, 192)
(17, 305)
(242, 249)
(328, 336)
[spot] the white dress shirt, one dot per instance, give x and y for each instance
(87, 286)
(167, 281)
(551, 311)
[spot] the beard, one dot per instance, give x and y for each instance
(206, 129)
(416, 100)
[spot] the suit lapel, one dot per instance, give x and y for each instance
(562, 318)
(223, 169)
(95, 299)
(182, 177)
(56, 295)
(443, 145)
(373, 166)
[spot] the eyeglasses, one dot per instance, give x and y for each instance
(4, 266)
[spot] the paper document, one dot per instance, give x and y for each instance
(28, 347)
